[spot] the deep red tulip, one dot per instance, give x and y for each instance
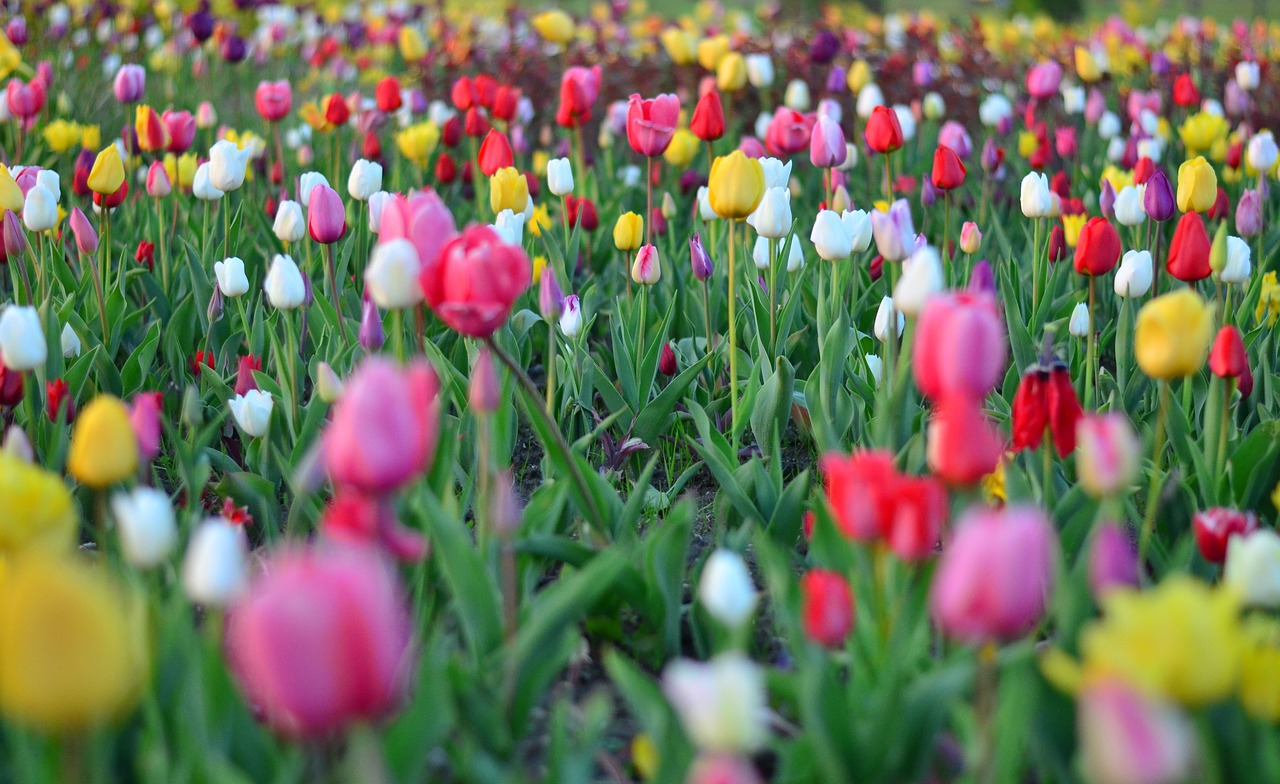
(495, 153)
(446, 169)
(1221, 209)
(667, 361)
(1228, 358)
(11, 387)
(244, 374)
(1185, 92)
(1064, 410)
(963, 445)
(1215, 527)
(371, 147)
(582, 211)
(451, 133)
(1057, 243)
(1060, 183)
(336, 110)
(474, 124)
(202, 359)
(58, 393)
(505, 102)
(1188, 258)
(708, 117)
(579, 90)
(948, 169)
(1099, 247)
(883, 132)
(387, 94)
(827, 607)
(146, 254)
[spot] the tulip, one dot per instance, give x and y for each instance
(158, 183)
(970, 238)
(1173, 334)
(86, 236)
(508, 190)
(827, 146)
(1128, 206)
(1214, 529)
(959, 346)
(830, 237)
(40, 213)
(356, 639)
(1262, 152)
(391, 279)
(962, 444)
(1098, 248)
(252, 411)
(326, 217)
(495, 153)
(104, 449)
(948, 169)
(1197, 185)
(1133, 278)
(1079, 323)
(70, 342)
(1035, 198)
(213, 569)
(894, 231)
(232, 281)
(289, 225)
(628, 232)
(22, 339)
(725, 589)
(130, 83)
(144, 417)
(274, 100)
(202, 187)
(921, 280)
(1113, 561)
(883, 132)
(995, 575)
(1128, 737)
(365, 180)
(228, 164)
(1044, 79)
(145, 521)
(646, 269)
(474, 280)
(884, 317)
(721, 703)
(579, 90)
(827, 607)
(107, 174)
(571, 317)
(1046, 399)
(560, 176)
(1249, 214)
(1158, 198)
(736, 186)
(1253, 568)
(869, 97)
(651, 123)
(1188, 258)
(1108, 459)
(708, 122)
(206, 115)
(370, 335)
(1238, 265)
(424, 220)
(719, 769)
(283, 285)
(772, 218)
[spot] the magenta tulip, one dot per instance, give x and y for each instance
(326, 217)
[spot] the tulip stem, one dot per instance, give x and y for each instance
(773, 297)
(706, 311)
(1090, 372)
(397, 330)
(1035, 267)
(733, 342)
(551, 368)
(648, 210)
(164, 261)
(1157, 459)
(985, 699)
(337, 298)
(639, 356)
(592, 511)
(97, 289)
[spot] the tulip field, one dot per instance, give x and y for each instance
(402, 392)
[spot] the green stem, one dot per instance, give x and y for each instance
(1090, 349)
(1157, 459)
(336, 294)
(773, 297)
(733, 341)
(551, 368)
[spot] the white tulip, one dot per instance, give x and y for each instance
(875, 366)
(22, 340)
(762, 124)
(144, 519)
(377, 202)
(232, 281)
(1248, 75)
(869, 97)
(1212, 106)
(777, 174)
(1116, 149)
(284, 285)
(510, 227)
(48, 178)
(1238, 264)
(560, 176)
(228, 165)
(1078, 326)
(1073, 99)
(704, 205)
(307, 182)
(906, 120)
(772, 218)
(70, 342)
(797, 95)
(858, 224)
(721, 703)
(1129, 207)
(1262, 151)
(252, 411)
(885, 312)
(726, 590)
(830, 238)
(850, 157)
(759, 70)
(391, 279)
(365, 179)
(290, 225)
(795, 256)
(1035, 197)
(993, 109)
(213, 570)
(1253, 567)
(1108, 125)
(1133, 277)
(571, 316)
(921, 279)
(40, 212)
(202, 187)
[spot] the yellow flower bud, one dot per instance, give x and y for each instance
(508, 190)
(628, 232)
(1197, 185)
(859, 76)
(104, 449)
(682, 150)
(39, 515)
(1172, 335)
(107, 173)
(736, 186)
(711, 50)
(555, 26)
(679, 45)
(731, 73)
(412, 46)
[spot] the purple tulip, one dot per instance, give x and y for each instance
(1113, 561)
(1107, 200)
(1158, 200)
(698, 258)
(371, 334)
(1249, 214)
(954, 135)
(982, 280)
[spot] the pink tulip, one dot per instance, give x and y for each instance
(25, 99)
(423, 219)
(995, 574)
(1113, 561)
(826, 144)
(144, 415)
(86, 236)
(384, 427)
(954, 135)
(182, 130)
(1043, 79)
(722, 769)
(651, 122)
(322, 639)
(959, 347)
(130, 83)
(752, 148)
(1127, 737)
(370, 521)
(474, 280)
(326, 217)
(1094, 106)
(1064, 141)
(158, 185)
(962, 443)
(273, 100)
(789, 132)
(27, 179)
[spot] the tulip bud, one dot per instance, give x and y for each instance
(328, 385)
(646, 270)
(1108, 456)
(827, 607)
(283, 285)
(560, 176)
(725, 589)
(550, 297)
(213, 570)
(231, 277)
(1113, 561)
(667, 364)
(365, 179)
(698, 258)
(289, 225)
(1078, 325)
(1253, 568)
(144, 519)
(22, 340)
(571, 317)
(1158, 199)
(970, 237)
(391, 279)
(252, 411)
(70, 342)
(371, 334)
(86, 236)
(1133, 278)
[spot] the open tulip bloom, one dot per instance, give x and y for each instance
(708, 399)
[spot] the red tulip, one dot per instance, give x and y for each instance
(474, 281)
(883, 132)
(582, 212)
(11, 387)
(446, 169)
(182, 130)
(370, 147)
(1099, 247)
(1215, 527)
(322, 640)
(1188, 258)
(1185, 92)
(153, 136)
(1227, 358)
(495, 153)
(1221, 209)
(505, 102)
(273, 100)
(463, 94)
(919, 513)
(202, 359)
(474, 124)
(827, 607)
(387, 95)
(1046, 399)
(963, 445)
(58, 393)
(486, 90)
(579, 89)
(1057, 243)
(959, 347)
(336, 110)
(858, 490)
(244, 374)
(667, 361)
(452, 131)
(708, 117)
(145, 254)
(651, 122)
(1143, 170)
(948, 169)
(112, 200)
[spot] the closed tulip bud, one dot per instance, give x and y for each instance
(1197, 185)
(1238, 264)
(158, 184)
(1253, 568)
(560, 176)
(667, 364)
(202, 187)
(1133, 278)
(827, 607)
(326, 217)
(571, 317)
(1108, 456)
(736, 186)
(1172, 335)
(284, 285)
(962, 443)
(40, 213)
(796, 96)
(550, 297)
(1189, 252)
(104, 449)
(885, 315)
(884, 132)
(391, 279)
(289, 225)
(144, 519)
(145, 411)
(1128, 206)
(1113, 561)
(1035, 198)
(213, 569)
(628, 231)
(371, 335)
(107, 174)
(995, 575)
(1107, 199)
(970, 237)
(1249, 214)
(365, 180)
(1078, 325)
(827, 147)
(508, 190)
(22, 340)
(307, 183)
(70, 342)
(830, 236)
(726, 591)
(1262, 152)
(948, 170)
(1158, 197)
(646, 270)
(228, 165)
(1098, 248)
(86, 236)
(1228, 358)
(721, 703)
(328, 386)
(1128, 737)
(772, 218)
(232, 281)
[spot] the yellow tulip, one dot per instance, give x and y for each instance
(61, 135)
(1087, 66)
(731, 73)
(555, 26)
(540, 160)
(10, 57)
(859, 76)
(1268, 308)
(418, 141)
(72, 645)
(508, 190)
(1028, 142)
(1260, 669)
(711, 50)
(682, 149)
(181, 169)
(539, 221)
(107, 174)
(90, 137)
(1172, 335)
(38, 512)
(1197, 185)
(679, 45)
(736, 185)
(1201, 130)
(412, 46)
(104, 449)
(10, 194)
(628, 232)
(1072, 225)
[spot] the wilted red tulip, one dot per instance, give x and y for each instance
(827, 608)
(1098, 248)
(948, 169)
(883, 132)
(474, 280)
(1188, 258)
(708, 117)
(1215, 527)
(322, 639)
